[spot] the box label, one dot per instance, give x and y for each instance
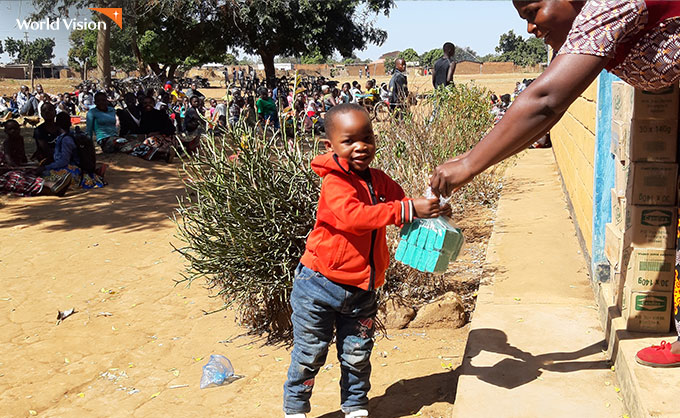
(650, 303)
(655, 217)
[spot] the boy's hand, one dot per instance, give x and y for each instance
(426, 208)
(445, 210)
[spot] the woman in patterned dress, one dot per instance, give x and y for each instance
(16, 177)
(637, 40)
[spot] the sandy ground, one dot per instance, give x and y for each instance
(138, 342)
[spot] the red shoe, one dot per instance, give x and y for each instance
(658, 356)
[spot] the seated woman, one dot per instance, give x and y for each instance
(67, 158)
(18, 178)
(45, 135)
(102, 123)
(159, 131)
(130, 117)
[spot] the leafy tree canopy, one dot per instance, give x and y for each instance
(514, 48)
(39, 51)
(84, 48)
(313, 57)
(409, 55)
(294, 27)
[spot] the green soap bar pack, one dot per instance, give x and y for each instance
(429, 245)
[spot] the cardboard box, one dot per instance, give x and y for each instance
(651, 226)
(652, 184)
(618, 211)
(645, 140)
(613, 246)
(617, 287)
(649, 270)
(631, 103)
(621, 181)
(647, 311)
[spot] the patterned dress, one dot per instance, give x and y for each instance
(19, 182)
(642, 39)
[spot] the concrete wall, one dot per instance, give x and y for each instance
(574, 140)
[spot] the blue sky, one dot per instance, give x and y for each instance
(421, 25)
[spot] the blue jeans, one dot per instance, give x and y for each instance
(273, 120)
(319, 305)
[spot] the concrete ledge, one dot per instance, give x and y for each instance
(646, 391)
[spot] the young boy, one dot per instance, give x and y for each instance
(345, 261)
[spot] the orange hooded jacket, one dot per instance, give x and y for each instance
(348, 243)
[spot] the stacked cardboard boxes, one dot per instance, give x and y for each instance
(640, 241)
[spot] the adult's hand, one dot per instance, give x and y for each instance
(451, 175)
(531, 115)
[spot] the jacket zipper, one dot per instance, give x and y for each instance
(374, 233)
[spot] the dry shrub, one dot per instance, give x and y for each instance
(410, 149)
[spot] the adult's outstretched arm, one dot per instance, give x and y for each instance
(531, 115)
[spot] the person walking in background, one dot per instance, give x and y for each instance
(398, 88)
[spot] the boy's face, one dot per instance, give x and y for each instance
(352, 139)
(12, 129)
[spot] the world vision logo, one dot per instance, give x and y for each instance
(113, 13)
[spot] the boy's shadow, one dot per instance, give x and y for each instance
(408, 396)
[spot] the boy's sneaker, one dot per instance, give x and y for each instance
(658, 356)
(296, 415)
(360, 413)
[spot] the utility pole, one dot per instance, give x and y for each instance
(30, 61)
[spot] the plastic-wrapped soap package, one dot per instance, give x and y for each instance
(429, 245)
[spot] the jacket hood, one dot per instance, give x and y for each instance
(329, 162)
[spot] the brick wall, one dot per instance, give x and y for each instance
(573, 141)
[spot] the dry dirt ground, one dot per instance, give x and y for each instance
(496, 83)
(138, 342)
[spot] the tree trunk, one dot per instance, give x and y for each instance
(156, 69)
(104, 54)
(171, 71)
(141, 65)
(269, 70)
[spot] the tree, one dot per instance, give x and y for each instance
(172, 33)
(466, 54)
(230, 59)
(313, 57)
(60, 8)
(430, 57)
(83, 51)
(389, 65)
(30, 52)
(38, 52)
(409, 55)
(512, 47)
(296, 27)
(536, 51)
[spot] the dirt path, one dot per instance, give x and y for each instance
(135, 335)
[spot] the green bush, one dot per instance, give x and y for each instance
(245, 220)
